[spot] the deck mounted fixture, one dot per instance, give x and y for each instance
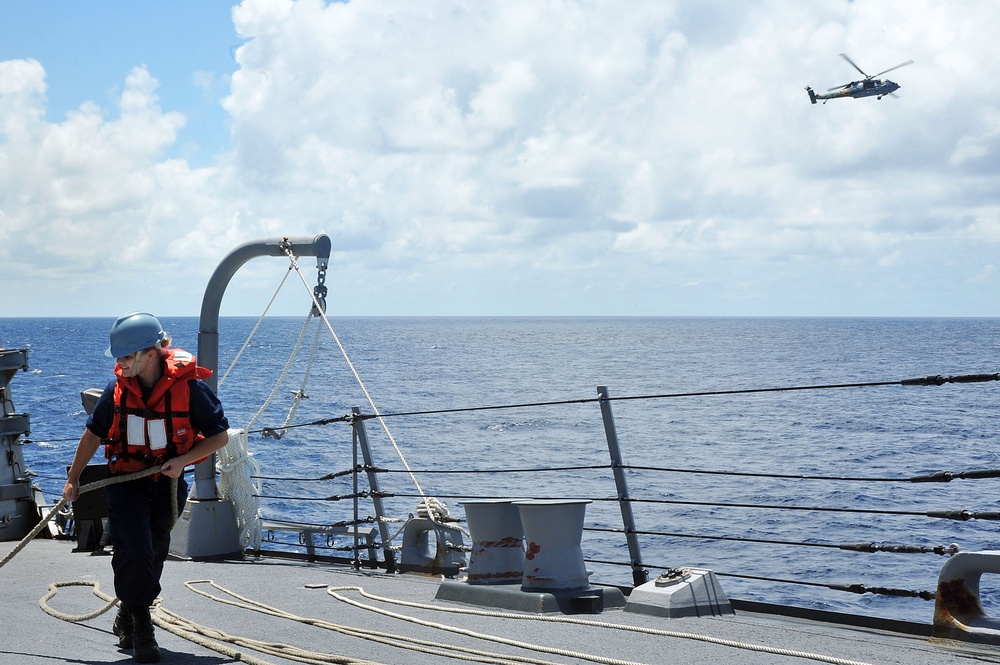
(681, 592)
(958, 611)
(207, 527)
(431, 547)
(497, 555)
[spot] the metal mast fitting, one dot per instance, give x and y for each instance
(18, 512)
(207, 529)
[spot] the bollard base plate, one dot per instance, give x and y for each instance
(591, 600)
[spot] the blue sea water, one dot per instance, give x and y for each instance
(431, 364)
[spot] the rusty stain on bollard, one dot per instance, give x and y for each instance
(509, 541)
(513, 575)
(955, 608)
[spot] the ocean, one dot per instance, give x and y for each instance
(769, 538)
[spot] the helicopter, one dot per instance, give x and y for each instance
(869, 86)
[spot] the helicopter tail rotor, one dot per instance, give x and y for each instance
(812, 95)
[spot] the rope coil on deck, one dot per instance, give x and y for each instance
(210, 638)
(569, 620)
(482, 656)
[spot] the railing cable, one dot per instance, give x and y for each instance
(871, 548)
(935, 380)
(936, 477)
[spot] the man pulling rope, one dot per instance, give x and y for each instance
(157, 413)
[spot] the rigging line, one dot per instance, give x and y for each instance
(962, 515)
(284, 371)
(936, 380)
(765, 475)
(871, 511)
(270, 431)
(748, 577)
(852, 588)
(933, 380)
(936, 477)
(375, 469)
(256, 326)
(300, 394)
(357, 376)
(941, 550)
(584, 400)
(89, 487)
(930, 380)
(526, 470)
(384, 494)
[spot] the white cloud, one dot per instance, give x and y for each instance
(450, 144)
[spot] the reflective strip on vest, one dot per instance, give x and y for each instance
(139, 428)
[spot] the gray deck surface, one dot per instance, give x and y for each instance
(31, 637)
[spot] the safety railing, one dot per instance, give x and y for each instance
(764, 514)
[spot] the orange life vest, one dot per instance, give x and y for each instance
(147, 432)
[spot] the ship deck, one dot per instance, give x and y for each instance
(314, 620)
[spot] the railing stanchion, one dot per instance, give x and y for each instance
(358, 427)
(639, 574)
(354, 477)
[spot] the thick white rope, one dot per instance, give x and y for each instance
(239, 482)
(400, 641)
(210, 638)
(198, 633)
(110, 601)
(249, 604)
(110, 480)
(569, 620)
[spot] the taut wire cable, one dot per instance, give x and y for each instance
(257, 325)
(357, 377)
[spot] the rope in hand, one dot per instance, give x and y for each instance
(89, 487)
(110, 601)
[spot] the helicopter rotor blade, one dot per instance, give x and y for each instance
(840, 87)
(902, 64)
(844, 56)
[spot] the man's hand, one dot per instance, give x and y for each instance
(172, 468)
(71, 490)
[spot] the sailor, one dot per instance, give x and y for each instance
(157, 411)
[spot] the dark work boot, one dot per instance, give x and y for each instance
(122, 628)
(144, 647)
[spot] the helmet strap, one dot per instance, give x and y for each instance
(134, 369)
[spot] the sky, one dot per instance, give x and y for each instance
(523, 157)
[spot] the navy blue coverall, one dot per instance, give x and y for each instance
(139, 511)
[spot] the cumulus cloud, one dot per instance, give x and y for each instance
(484, 153)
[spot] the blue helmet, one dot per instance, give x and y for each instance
(134, 332)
